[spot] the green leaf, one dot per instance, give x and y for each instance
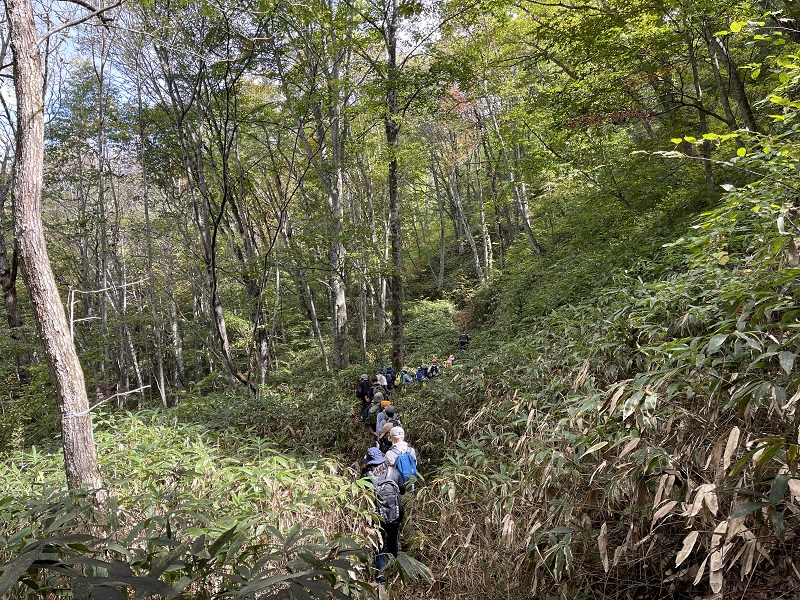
(741, 151)
(777, 490)
(747, 508)
(736, 26)
(787, 360)
(716, 342)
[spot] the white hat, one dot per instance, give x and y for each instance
(397, 433)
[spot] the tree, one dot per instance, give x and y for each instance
(80, 452)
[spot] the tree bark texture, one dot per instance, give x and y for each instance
(80, 452)
(396, 291)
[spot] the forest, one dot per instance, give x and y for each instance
(216, 215)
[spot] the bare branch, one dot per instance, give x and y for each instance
(96, 13)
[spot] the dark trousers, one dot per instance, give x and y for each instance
(390, 544)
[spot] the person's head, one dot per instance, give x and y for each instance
(389, 368)
(397, 434)
(389, 410)
(364, 377)
(373, 457)
(434, 362)
(374, 379)
(380, 370)
(378, 397)
(386, 429)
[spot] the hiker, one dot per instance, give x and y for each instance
(361, 392)
(390, 378)
(422, 372)
(463, 341)
(389, 486)
(402, 457)
(450, 360)
(434, 370)
(381, 377)
(384, 441)
(375, 387)
(403, 378)
(387, 415)
(379, 402)
(367, 400)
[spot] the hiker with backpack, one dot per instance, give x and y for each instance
(387, 415)
(401, 457)
(378, 404)
(389, 486)
(463, 341)
(434, 370)
(381, 377)
(422, 372)
(390, 377)
(361, 393)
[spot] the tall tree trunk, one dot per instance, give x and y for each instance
(156, 324)
(396, 290)
(80, 451)
(8, 281)
(456, 183)
(708, 166)
(442, 238)
(486, 240)
(519, 195)
(719, 50)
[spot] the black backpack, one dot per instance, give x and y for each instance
(387, 498)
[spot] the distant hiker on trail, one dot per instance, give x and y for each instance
(402, 457)
(402, 379)
(361, 392)
(450, 360)
(390, 377)
(381, 377)
(463, 341)
(389, 486)
(434, 370)
(387, 415)
(422, 372)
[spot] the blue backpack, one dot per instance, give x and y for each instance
(406, 465)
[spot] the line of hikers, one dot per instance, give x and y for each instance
(390, 463)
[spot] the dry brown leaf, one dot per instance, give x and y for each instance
(618, 552)
(628, 448)
(794, 487)
(711, 501)
(749, 555)
(688, 544)
(602, 545)
(600, 467)
(735, 525)
(716, 452)
(581, 375)
(715, 580)
(699, 497)
(700, 571)
(663, 511)
(730, 448)
(660, 490)
(615, 398)
(668, 486)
